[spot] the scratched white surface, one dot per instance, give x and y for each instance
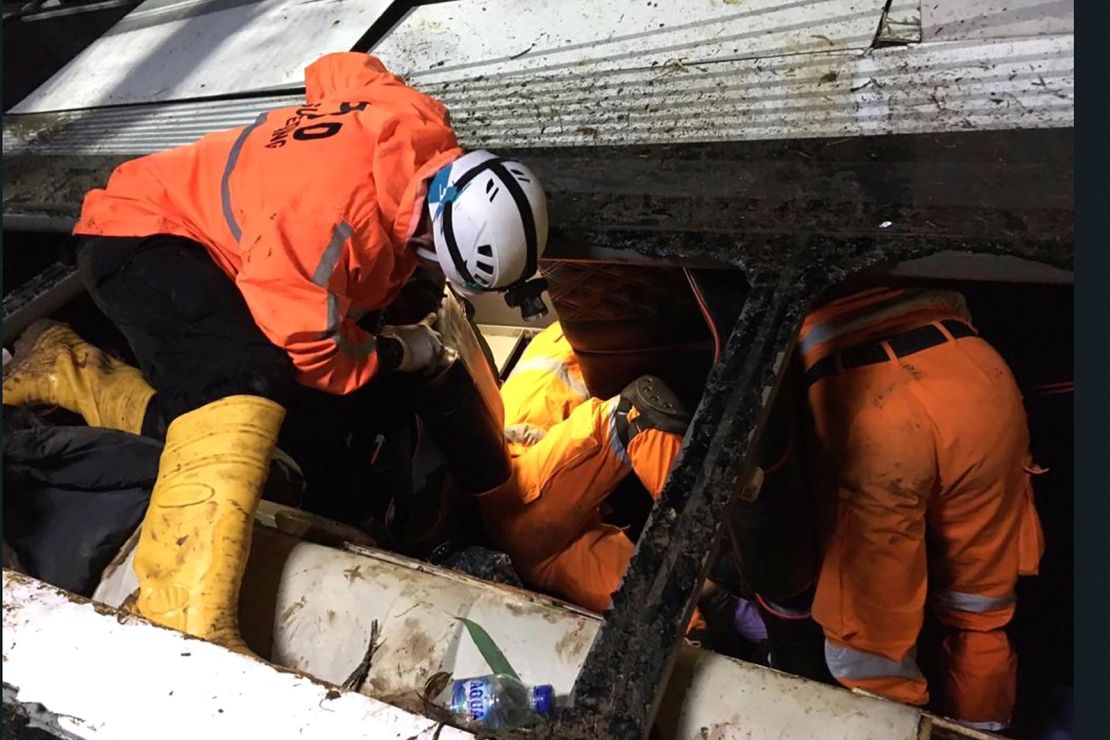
(949, 20)
(102, 676)
(326, 600)
(466, 39)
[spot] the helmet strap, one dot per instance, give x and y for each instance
(526, 217)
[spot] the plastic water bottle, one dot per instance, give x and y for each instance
(499, 701)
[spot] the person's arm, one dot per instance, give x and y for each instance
(294, 280)
(298, 295)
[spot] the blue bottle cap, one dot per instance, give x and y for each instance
(543, 699)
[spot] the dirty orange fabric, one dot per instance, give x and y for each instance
(562, 480)
(652, 454)
(554, 531)
(548, 518)
(937, 439)
(309, 209)
(587, 571)
(697, 622)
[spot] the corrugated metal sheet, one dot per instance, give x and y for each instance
(1022, 83)
(134, 129)
(173, 50)
(929, 87)
(949, 20)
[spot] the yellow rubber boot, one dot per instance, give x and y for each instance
(197, 532)
(54, 366)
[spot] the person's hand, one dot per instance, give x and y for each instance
(422, 345)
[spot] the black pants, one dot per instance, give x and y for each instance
(196, 342)
(186, 322)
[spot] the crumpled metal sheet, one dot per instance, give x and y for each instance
(458, 334)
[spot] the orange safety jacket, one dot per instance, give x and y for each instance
(309, 209)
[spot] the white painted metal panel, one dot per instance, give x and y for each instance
(710, 696)
(469, 39)
(327, 599)
(177, 49)
(979, 19)
(319, 618)
(99, 675)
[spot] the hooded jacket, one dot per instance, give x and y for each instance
(309, 209)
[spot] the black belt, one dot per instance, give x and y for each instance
(906, 343)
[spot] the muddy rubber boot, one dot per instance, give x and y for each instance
(53, 366)
(196, 535)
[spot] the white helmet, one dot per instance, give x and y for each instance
(489, 222)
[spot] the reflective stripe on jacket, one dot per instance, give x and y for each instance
(309, 209)
(868, 315)
(543, 389)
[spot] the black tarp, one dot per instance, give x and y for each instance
(72, 496)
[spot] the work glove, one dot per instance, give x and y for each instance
(421, 346)
(748, 622)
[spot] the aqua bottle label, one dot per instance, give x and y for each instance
(472, 697)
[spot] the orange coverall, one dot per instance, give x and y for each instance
(932, 441)
(567, 458)
(309, 209)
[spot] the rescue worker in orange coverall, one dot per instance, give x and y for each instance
(241, 269)
(569, 451)
(923, 447)
(918, 425)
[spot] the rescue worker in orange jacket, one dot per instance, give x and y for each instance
(569, 451)
(920, 428)
(239, 268)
